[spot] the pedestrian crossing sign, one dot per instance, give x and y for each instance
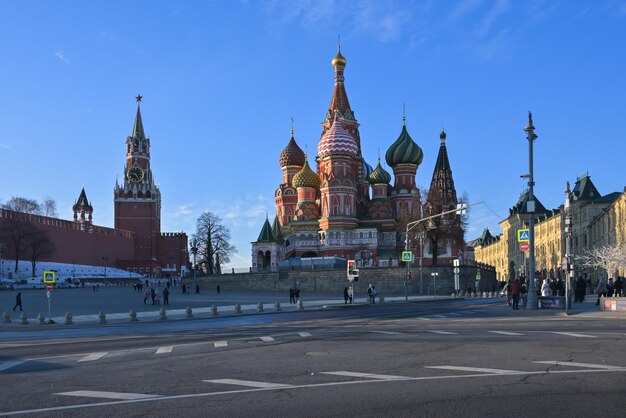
(48, 277)
(407, 256)
(523, 235)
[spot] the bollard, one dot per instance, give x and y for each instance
(132, 315)
(299, 305)
(6, 317)
(162, 315)
(41, 319)
(24, 318)
(237, 308)
(277, 306)
(214, 310)
(188, 312)
(259, 307)
(68, 318)
(102, 316)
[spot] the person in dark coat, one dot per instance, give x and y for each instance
(18, 301)
(152, 294)
(291, 296)
(345, 295)
(579, 290)
(184, 289)
(166, 296)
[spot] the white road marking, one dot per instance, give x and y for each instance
(571, 363)
(93, 357)
(164, 350)
(312, 385)
(387, 332)
(573, 334)
(108, 395)
(366, 375)
(267, 339)
(304, 334)
(218, 344)
(9, 364)
(247, 383)
(473, 369)
(438, 316)
(443, 332)
(506, 333)
(423, 319)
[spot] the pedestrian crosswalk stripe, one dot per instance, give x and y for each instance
(304, 334)
(573, 334)
(443, 332)
(473, 369)
(572, 363)
(506, 333)
(438, 316)
(366, 375)
(108, 395)
(423, 319)
(267, 339)
(218, 344)
(249, 383)
(164, 350)
(10, 364)
(93, 357)
(387, 332)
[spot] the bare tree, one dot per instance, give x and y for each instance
(608, 258)
(17, 235)
(22, 204)
(39, 245)
(213, 242)
(49, 207)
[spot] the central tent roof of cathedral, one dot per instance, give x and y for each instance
(337, 141)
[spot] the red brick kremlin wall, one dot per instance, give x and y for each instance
(75, 246)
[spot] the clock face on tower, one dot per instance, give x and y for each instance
(135, 174)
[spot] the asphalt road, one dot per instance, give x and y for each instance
(419, 359)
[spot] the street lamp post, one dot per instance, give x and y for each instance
(434, 284)
(421, 237)
(105, 258)
(194, 252)
(568, 259)
(530, 208)
(1, 261)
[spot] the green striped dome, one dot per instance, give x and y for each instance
(306, 177)
(404, 151)
(379, 175)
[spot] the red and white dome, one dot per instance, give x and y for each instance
(337, 141)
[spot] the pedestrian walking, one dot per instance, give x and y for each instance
(18, 301)
(580, 289)
(374, 293)
(145, 297)
(350, 295)
(218, 289)
(602, 289)
(545, 288)
(507, 292)
(345, 295)
(197, 288)
(292, 298)
(152, 294)
(166, 296)
(524, 294)
(516, 289)
(296, 294)
(184, 289)
(610, 288)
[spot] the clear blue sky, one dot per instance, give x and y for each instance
(221, 80)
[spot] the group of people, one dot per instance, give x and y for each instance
(347, 295)
(294, 295)
(516, 291)
(610, 288)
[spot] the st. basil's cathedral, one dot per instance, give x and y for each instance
(347, 209)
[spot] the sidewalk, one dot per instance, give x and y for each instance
(229, 310)
(587, 309)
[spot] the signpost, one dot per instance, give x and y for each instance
(407, 257)
(49, 278)
(456, 262)
(353, 277)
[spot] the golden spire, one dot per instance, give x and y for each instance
(339, 59)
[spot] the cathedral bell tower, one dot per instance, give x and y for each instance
(138, 199)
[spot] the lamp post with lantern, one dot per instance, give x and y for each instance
(530, 208)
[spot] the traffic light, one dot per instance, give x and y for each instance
(351, 267)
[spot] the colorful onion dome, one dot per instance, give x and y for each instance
(404, 151)
(306, 177)
(339, 59)
(379, 175)
(292, 154)
(337, 141)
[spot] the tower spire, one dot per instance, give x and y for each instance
(138, 126)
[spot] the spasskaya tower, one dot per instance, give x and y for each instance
(138, 201)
